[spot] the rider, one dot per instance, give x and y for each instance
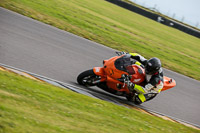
(154, 79)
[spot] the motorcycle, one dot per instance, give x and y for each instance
(115, 75)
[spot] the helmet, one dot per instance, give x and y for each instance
(152, 66)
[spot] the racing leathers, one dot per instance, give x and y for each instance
(153, 84)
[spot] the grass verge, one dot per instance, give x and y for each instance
(118, 28)
(30, 106)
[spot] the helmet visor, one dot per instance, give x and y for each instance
(149, 69)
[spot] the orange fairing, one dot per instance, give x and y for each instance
(98, 71)
(115, 67)
(168, 83)
(111, 70)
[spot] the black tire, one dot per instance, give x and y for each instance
(88, 76)
(130, 98)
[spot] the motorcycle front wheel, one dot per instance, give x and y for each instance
(87, 78)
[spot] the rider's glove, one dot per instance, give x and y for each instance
(130, 86)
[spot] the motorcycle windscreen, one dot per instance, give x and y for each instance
(124, 64)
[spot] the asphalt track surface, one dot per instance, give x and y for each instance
(42, 49)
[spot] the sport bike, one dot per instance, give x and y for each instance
(115, 75)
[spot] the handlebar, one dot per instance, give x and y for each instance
(124, 78)
(120, 53)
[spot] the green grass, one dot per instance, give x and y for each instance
(28, 106)
(118, 28)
